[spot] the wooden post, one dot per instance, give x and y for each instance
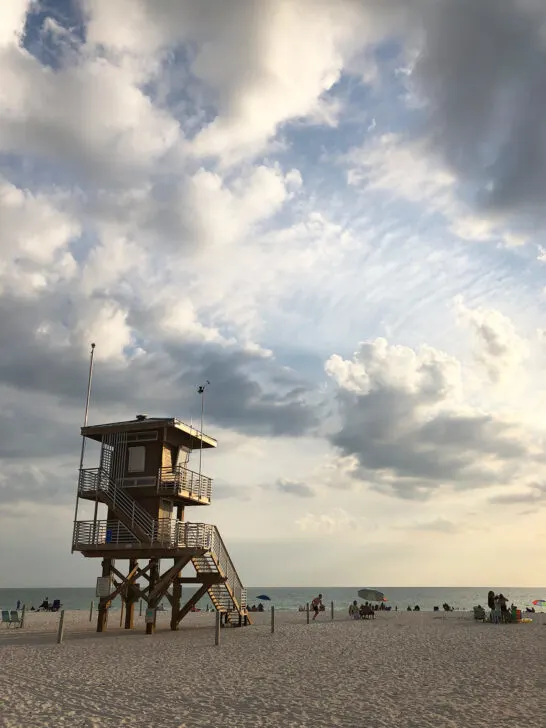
(22, 624)
(140, 609)
(91, 612)
(332, 611)
(60, 632)
(104, 602)
(307, 610)
(129, 597)
(217, 628)
(154, 574)
(272, 619)
(121, 613)
(175, 602)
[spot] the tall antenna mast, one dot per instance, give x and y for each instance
(85, 417)
(201, 391)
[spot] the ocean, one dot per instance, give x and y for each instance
(290, 598)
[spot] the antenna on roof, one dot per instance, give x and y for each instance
(201, 390)
(85, 417)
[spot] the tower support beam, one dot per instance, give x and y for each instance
(104, 602)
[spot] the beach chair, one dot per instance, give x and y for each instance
(479, 614)
(6, 618)
(14, 618)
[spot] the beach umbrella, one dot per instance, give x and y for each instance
(372, 595)
(540, 602)
(264, 598)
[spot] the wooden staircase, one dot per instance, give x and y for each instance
(228, 596)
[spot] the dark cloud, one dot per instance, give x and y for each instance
(405, 430)
(37, 482)
(382, 429)
(294, 487)
(248, 392)
(535, 494)
(482, 71)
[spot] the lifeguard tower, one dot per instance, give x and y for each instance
(144, 481)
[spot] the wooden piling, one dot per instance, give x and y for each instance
(272, 619)
(60, 632)
(217, 629)
(332, 611)
(307, 610)
(140, 609)
(22, 623)
(121, 613)
(91, 612)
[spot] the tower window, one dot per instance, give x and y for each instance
(137, 459)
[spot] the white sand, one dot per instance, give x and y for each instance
(420, 670)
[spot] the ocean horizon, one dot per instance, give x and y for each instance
(289, 598)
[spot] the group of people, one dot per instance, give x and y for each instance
(254, 608)
(363, 611)
(498, 604)
(45, 606)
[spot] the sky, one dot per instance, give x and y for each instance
(333, 211)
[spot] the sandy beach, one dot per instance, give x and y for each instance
(406, 669)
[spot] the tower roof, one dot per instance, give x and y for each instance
(177, 430)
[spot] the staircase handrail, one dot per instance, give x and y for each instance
(224, 560)
(119, 498)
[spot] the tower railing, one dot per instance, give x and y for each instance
(166, 532)
(97, 480)
(182, 480)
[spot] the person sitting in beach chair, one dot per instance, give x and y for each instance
(55, 606)
(354, 611)
(479, 613)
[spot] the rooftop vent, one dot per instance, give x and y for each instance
(140, 418)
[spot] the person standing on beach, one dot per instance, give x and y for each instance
(316, 604)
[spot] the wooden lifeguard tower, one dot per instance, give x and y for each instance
(144, 482)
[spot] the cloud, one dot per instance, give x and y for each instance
(405, 170)
(271, 65)
(12, 21)
(294, 487)
(338, 521)
(403, 417)
(437, 525)
(170, 188)
(89, 117)
(535, 494)
(499, 349)
(489, 130)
